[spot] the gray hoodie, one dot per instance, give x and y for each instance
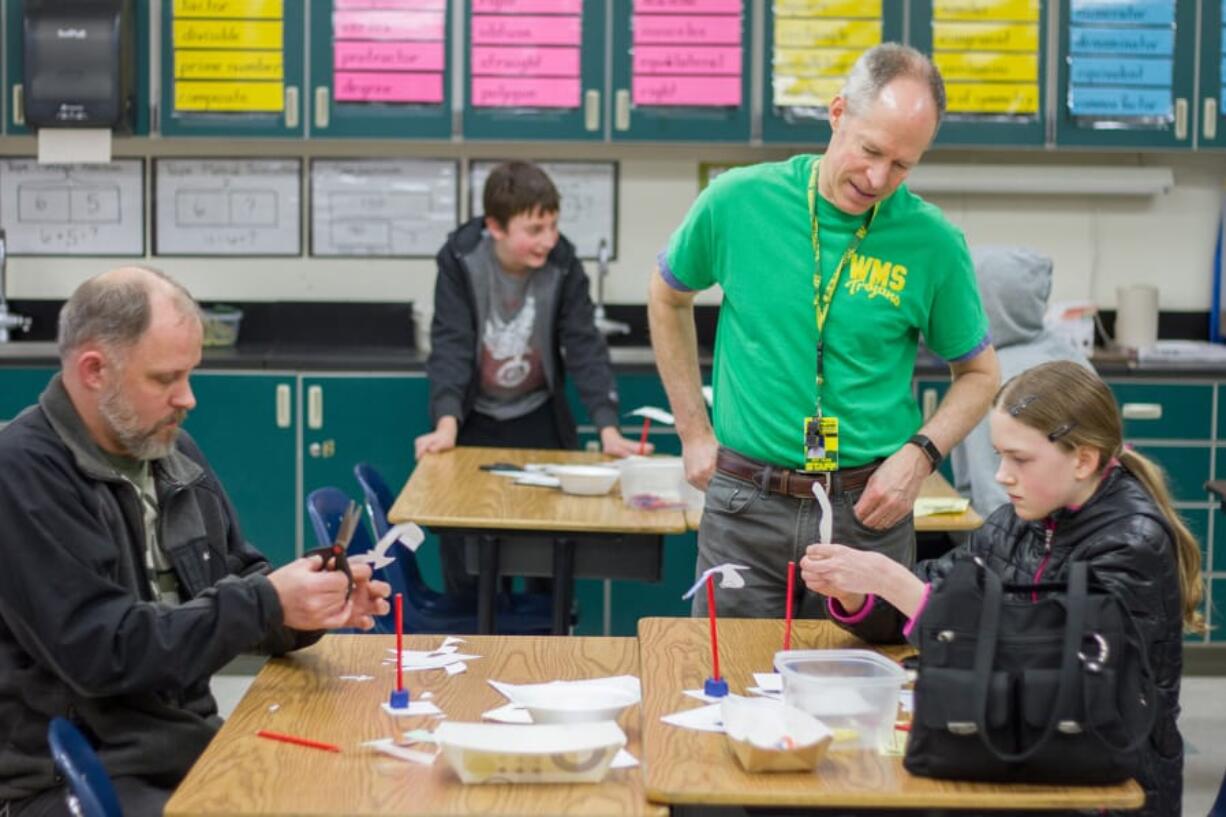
(1014, 284)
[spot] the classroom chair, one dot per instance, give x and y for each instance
(90, 793)
(428, 615)
(1219, 803)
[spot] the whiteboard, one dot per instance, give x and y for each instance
(94, 209)
(383, 207)
(227, 206)
(589, 200)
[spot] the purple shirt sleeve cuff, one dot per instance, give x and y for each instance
(667, 274)
(843, 617)
(979, 347)
(919, 611)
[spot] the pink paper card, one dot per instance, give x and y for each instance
(380, 5)
(527, 6)
(406, 56)
(530, 30)
(388, 25)
(689, 91)
(680, 59)
(520, 62)
(688, 6)
(365, 87)
(651, 29)
(505, 92)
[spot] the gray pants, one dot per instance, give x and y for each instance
(744, 525)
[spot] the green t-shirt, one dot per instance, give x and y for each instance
(749, 232)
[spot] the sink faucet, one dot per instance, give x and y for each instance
(603, 324)
(8, 321)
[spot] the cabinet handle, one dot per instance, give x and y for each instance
(1181, 119)
(283, 405)
(315, 407)
(591, 110)
(929, 402)
(621, 114)
(1209, 129)
(291, 106)
(19, 106)
(1141, 411)
(322, 116)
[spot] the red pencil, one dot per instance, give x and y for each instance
(314, 744)
(643, 436)
(711, 614)
(399, 641)
(787, 621)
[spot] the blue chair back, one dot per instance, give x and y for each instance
(378, 501)
(1219, 804)
(88, 781)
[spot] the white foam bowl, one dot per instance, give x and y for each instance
(586, 480)
(550, 753)
(566, 704)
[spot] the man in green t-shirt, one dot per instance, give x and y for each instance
(831, 270)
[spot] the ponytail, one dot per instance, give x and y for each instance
(1187, 552)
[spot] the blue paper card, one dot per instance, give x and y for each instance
(1120, 102)
(1132, 12)
(1140, 42)
(1150, 73)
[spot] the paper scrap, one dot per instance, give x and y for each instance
(425, 696)
(769, 681)
(357, 677)
(765, 693)
(455, 668)
(450, 640)
(415, 708)
(729, 577)
(708, 394)
(539, 481)
(658, 415)
(702, 719)
(406, 533)
(932, 505)
(388, 746)
(624, 760)
(825, 525)
(417, 660)
(418, 736)
(906, 700)
(509, 713)
(274, 707)
(628, 683)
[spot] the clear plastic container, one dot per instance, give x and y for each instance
(853, 692)
(657, 482)
(221, 325)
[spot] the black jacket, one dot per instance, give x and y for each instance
(455, 338)
(1124, 536)
(79, 635)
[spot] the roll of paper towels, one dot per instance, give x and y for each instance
(1136, 320)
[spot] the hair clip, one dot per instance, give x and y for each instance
(1060, 431)
(1020, 406)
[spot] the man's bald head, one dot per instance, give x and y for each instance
(114, 309)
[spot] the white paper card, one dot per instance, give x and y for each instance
(510, 713)
(769, 681)
(389, 747)
(415, 708)
(702, 719)
(624, 760)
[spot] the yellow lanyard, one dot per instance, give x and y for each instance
(823, 299)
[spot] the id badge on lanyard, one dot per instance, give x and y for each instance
(821, 444)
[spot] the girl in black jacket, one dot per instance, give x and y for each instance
(1075, 494)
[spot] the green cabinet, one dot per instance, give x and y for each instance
(682, 74)
(1127, 73)
(232, 68)
(533, 75)
(245, 423)
(380, 73)
(1211, 110)
(20, 387)
(13, 49)
(992, 56)
(810, 48)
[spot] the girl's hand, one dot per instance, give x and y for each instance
(842, 572)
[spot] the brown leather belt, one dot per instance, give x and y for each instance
(792, 483)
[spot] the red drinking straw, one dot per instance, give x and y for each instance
(314, 744)
(399, 642)
(643, 436)
(711, 614)
(787, 620)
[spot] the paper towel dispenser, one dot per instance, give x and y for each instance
(80, 69)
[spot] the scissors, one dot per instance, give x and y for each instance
(334, 556)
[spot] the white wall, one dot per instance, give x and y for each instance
(1098, 242)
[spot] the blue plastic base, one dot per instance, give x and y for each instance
(399, 699)
(713, 688)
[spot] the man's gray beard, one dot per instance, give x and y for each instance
(138, 443)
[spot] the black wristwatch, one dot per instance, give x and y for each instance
(929, 448)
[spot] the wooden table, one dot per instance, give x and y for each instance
(592, 535)
(688, 767)
(241, 774)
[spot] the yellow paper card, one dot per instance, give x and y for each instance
(987, 67)
(228, 34)
(985, 36)
(998, 98)
(828, 8)
(231, 9)
(986, 10)
(266, 65)
(815, 62)
(791, 91)
(239, 97)
(798, 33)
